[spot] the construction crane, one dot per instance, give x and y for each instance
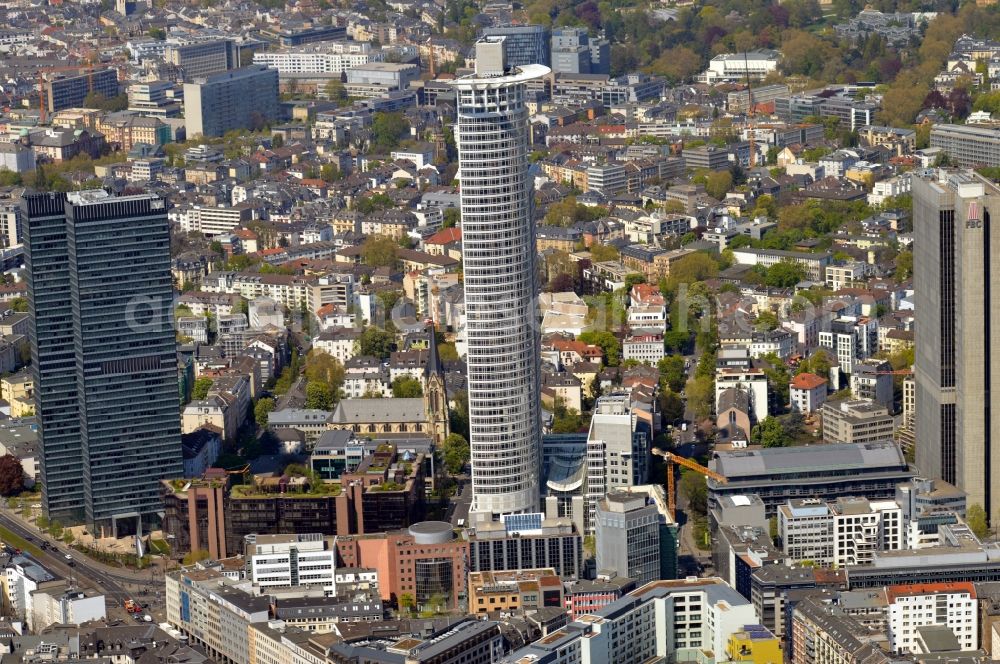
(675, 459)
(895, 372)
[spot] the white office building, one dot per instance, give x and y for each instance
(284, 561)
(319, 57)
(733, 67)
(849, 531)
(663, 620)
(498, 246)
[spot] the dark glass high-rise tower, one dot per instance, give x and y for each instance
(103, 356)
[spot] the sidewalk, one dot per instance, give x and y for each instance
(118, 573)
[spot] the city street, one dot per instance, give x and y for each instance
(145, 587)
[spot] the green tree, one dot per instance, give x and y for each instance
(767, 320)
(376, 342)
(718, 184)
(103, 103)
(777, 377)
(570, 421)
(765, 207)
(903, 98)
(904, 264)
(700, 393)
(195, 556)
(698, 266)
(770, 433)
(452, 217)
(335, 90)
(369, 204)
(9, 178)
(19, 304)
(784, 274)
(672, 372)
(200, 389)
(319, 395)
(975, 518)
(455, 453)
(330, 173)
(11, 475)
(694, 488)
(404, 387)
(447, 351)
(818, 363)
(677, 64)
(380, 251)
(458, 414)
(261, 410)
(671, 405)
(324, 368)
(567, 212)
(600, 253)
(388, 129)
(608, 342)
(407, 602)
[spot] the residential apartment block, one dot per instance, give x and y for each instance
(952, 605)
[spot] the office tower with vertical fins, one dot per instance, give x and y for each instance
(955, 298)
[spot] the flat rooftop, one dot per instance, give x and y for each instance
(831, 458)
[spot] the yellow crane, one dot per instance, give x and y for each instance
(673, 459)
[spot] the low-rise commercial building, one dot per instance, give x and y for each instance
(514, 591)
(856, 421)
(693, 617)
(827, 472)
(848, 531)
(206, 606)
(814, 264)
(526, 541)
(585, 597)
(426, 561)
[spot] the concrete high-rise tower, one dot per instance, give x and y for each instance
(104, 356)
(957, 292)
(499, 258)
